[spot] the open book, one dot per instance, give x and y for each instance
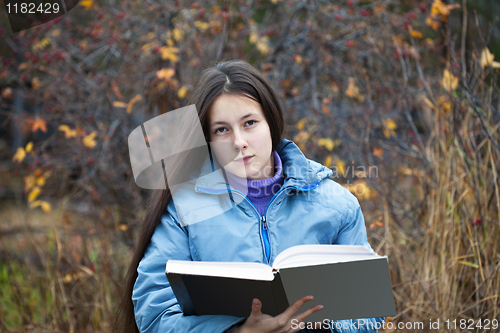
(350, 281)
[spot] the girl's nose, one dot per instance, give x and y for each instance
(239, 142)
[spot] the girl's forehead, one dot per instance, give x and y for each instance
(229, 106)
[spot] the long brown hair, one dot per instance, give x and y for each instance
(233, 77)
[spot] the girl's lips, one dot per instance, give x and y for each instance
(244, 160)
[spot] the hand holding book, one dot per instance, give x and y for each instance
(262, 323)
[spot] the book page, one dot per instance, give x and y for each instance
(317, 254)
(239, 270)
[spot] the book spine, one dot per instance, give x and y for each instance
(182, 295)
(279, 294)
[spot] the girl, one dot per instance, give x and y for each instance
(280, 199)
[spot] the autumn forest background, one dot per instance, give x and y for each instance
(399, 97)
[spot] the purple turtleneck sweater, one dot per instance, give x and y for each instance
(260, 192)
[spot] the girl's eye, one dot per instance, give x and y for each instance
(219, 129)
(251, 121)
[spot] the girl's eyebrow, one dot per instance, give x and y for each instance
(224, 123)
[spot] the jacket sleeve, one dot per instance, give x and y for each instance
(156, 308)
(353, 232)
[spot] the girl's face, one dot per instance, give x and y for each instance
(238, 123)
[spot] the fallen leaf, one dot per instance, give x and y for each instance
(46, 207)
(378, 152)
(119, 104)
(389, 128)
(165, 73)
(353, 91)
(132, 102)
(86, 3)
(300, 124)
(19, 155)
(89, 140)
(328, 161)
(39, 124)
(116, 90)
(449, 81)
(68, 132)
(416, 34)
(178, 34)
(487, 59)
(182, 92)
(34, 193)
(169, 52)
(327, 143)
(29, 146)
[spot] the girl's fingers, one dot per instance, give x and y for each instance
(303, 315)
(288, 313)
(256, 306)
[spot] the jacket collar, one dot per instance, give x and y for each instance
(298, 171)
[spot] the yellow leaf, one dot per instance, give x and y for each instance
(89, 140)
(438, 7)
(201, 25)
(444, 103)
(328, 161)
(123, 227)
(22, 66)
(449, 82)
(378, 152)
(341, 167)
(253, 38)
(118, 104)
(168, 52)
(178, 34)
(46, 207)
(41, 44)
(34, 193)
(39, 124)
(86, 3)
(300, 124)
(68, 132)
(360, 190)
(389, 128)
(406, 171)
(132, 102)
(19, 155)
(487, 59)
(416, 34)
(432, 23)
(182, 92)
(353, 91)
(327, 143)
(263, 47)
(29, 182)
(165, 73)
(35, 83)
(29, 146)
(40, 181)
(56, 32)
(298, 59)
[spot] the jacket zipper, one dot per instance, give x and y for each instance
(263, 217)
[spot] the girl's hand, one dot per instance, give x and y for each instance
(262, 323)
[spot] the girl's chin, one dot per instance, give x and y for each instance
(241, 172)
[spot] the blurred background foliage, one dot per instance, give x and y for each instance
(399, 97)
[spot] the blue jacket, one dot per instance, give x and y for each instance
(206, 222)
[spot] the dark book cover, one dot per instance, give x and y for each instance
(347, 290)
